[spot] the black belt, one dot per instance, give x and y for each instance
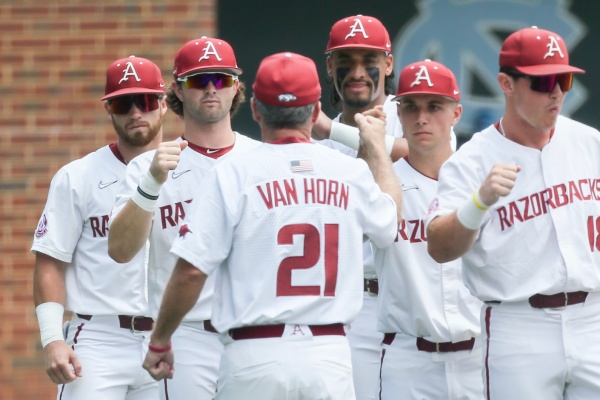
(271, 331)
(433, 347)
(371, 286)
(208, 326)
(558, 300)
(133, 323)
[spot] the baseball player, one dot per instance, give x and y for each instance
(519, 203)
(159, 188)
(110, 327)
(359, 63)
(282, 227)
(431, 348)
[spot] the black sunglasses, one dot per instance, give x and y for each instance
(144, 102)
(546, 83)
(201, 81)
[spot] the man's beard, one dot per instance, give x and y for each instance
(138, 138)
(357, 103)
(206, 116)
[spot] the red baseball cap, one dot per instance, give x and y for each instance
(287, 80)
(427, 77)
(359, 32)
(133, 75)
(205, 55)
(536, 52)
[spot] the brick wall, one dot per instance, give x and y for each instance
(53, 59)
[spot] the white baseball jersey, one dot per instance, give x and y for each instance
(418, 296)
(544, 237)
(74, 229)
(174, 202)
(282, 226)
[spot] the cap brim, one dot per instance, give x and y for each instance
(126, 91)
(357, 46)
(232, 71)
(398, 98)
(548, 69)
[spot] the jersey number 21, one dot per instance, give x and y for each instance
(310, 258)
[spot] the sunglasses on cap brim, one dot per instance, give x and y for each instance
(144, 102)
(201, 81)
(546, 83)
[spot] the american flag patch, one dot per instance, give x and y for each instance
(301, 165)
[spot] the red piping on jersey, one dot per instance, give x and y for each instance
(488, 314)
(166, 390)
(209, 152)
(115, 150)
(79, 328)
(380, 373)
(291, 139)
(426, 176)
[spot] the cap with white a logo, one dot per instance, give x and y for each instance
(359, 32)
(536, 52)
(427, 77)
(205, 55)
(133, 75)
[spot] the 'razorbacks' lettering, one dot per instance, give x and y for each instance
(540, 203)
(412, 231)
(172, 214)
(285, 192)
(99, 226)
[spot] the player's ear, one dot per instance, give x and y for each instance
(389, 64)
(329, 66)
(163, 105)
(456, 114)
(107, 108)
(507, 84)
(177, 90)
(255, 114)
(316, 112)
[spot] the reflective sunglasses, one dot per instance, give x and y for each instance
(144, 102)
(547, 83)
(201, 81)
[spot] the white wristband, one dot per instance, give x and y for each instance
(50, 319)
(349, 136)
(472, 212)
(150, 185)
(146, 194)
(345, 134)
